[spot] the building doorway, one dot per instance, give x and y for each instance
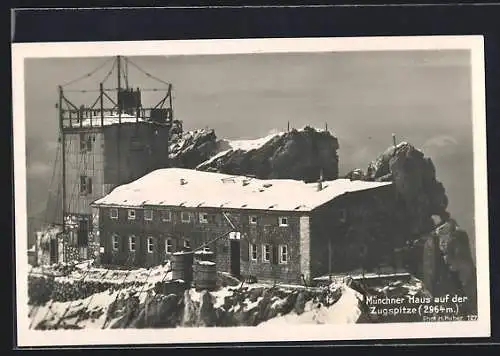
(234, 251)
(53, 251)
(83, 232)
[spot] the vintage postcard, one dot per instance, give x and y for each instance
(250, 190)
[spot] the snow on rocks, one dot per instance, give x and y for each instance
(82, 280)
(241, 145)
(244, 305)
(345, 311)
(84, 313)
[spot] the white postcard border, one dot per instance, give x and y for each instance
(478, 328)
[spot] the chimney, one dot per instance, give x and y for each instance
(394, 140)
(320, 181)
(183, 181)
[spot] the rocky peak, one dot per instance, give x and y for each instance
(422, 198)
(296, 154)
(422, 214)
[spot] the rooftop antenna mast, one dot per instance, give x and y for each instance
(118, 74)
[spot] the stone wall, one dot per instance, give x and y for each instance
(268, 231)
(265, 231)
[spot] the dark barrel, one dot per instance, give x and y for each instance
(204, 255)
(182, 266)
(205, 275)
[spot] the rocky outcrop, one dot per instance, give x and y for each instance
(438, 251)
(334, 303)
(190, 311)
(297, 154)
(189, 149)
(421, 201)
(44, 288)
(453, 271)
(406, 287)
(414, 176)
(207, 315)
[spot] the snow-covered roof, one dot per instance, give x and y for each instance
(191, 188)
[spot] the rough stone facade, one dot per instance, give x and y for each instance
(266, 230)
(329, 239)
(174, 230)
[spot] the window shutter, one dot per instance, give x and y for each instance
(274, 254)
(245, 250)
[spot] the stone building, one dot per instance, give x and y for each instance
(283, 230)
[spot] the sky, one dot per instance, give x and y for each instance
(424, 97)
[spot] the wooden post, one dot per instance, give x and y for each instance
(63, 155)
(101, 94)
(118, 79)
(170, 100)
(137, 108)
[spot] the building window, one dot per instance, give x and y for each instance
(131, 243)
(169, 248)
(203, 218)
(253, 252)
(131, 214)
(283, 221)
(148, 214)
(253, 219)
(113, 213)
(166, 215)
(116, 242)
(150, 244)
(187, 243)
(266, 252)
(185, 217)
(283, 254)
(85, 185)
(85, 142)
(342, 215)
